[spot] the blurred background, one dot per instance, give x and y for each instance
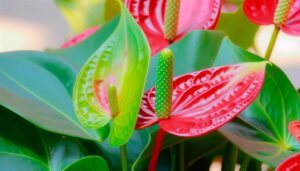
(38, 24)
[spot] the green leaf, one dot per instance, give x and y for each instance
(137, 143)
(78, 54)
(89, 163)
(25, 147)
(83, 14)
(38, 87)
(121, 60)
(238, 28)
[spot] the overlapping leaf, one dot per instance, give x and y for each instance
(120, 61)
(25, 147)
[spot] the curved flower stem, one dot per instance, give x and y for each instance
(156, 150)
(181, 156)
(272, 43)
(124, 158)
(114, 110)
(230, 157)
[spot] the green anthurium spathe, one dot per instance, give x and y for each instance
(120, 62)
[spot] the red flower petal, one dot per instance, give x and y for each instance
(198, 14)
(82, 36)
(260, 11)
(290, 164)
(194, 14)
(205, 100)
(147, 115)
(292, 25)
(294, 128)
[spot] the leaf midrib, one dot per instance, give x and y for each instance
(43, 100)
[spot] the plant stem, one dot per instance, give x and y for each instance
(245, 163)
(230, 157)
(124, 158)
(272, 43)
(156, 150)
(114, 109)
(181, 156)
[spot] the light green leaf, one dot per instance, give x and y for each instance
(121, 61)
(38, 87)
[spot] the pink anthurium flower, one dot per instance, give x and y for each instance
(80, 37)
(284, 14)
(190, 15)
(205, 100)
(290, 164)
(197, 103)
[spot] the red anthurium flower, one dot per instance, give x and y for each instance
(285, 14)
(80, 37)
(294, 128)
(290, 164)
(205, 100)
(192, 15)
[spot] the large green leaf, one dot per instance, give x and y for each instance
(25, 147)
(90, 163)
(119, 62)
(38, 87)
(83, 14)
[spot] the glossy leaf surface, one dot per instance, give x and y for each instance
(290, 164)
(205, 100)
(121, 60)
(262, 12)
(150, 15)
(38, 87)
(89, 163)
(25, 147)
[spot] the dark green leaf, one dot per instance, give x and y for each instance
(25, 147)
(38, 87)
(90, 163)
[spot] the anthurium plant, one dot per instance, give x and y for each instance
(153, 85)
